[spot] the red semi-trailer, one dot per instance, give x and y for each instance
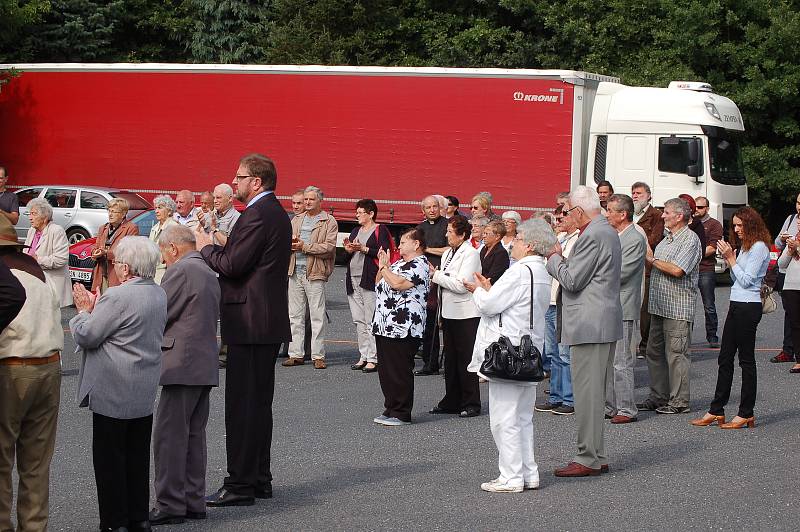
(391, 134)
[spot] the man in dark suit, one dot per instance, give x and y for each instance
(188, 371)
(649, 219)
(255, 321)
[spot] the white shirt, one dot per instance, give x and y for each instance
(511, 297)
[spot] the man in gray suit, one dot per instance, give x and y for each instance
(590, 322)
(188, 371)
(620, 404)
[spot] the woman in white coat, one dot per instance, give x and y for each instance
(47, 243)
(459, 318)
(511, 402)
(165, 208)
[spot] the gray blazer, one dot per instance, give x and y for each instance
(634, 248)
(121, 343)
(190, 346)
(589, 294)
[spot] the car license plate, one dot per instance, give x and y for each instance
(81, 275)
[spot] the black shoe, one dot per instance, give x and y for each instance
(195, 515)
(648, 404)
(264, 493)
(157, 517)
(373, 369)
(223, 497)
(358, 366)
(139, 525)
(563, 410)
(470, 412)
(547, 406)
(423, 372)
(437, 410)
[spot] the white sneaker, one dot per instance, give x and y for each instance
(381, 418)
(495, 486)
(532, 485)
(390, 421)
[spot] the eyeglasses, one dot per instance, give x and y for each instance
(240, 177)
(567, 211)
(450, 205)
(702, 207)
(474, 207)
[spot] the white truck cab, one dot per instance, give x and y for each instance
(683, 139)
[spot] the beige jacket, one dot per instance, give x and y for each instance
(52, 254)
(320, 251)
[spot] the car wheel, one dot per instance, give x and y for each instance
(76, 235)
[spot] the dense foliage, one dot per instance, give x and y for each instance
(745, 48)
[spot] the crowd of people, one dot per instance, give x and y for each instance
(601, 279)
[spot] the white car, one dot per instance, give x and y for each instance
(79, 210)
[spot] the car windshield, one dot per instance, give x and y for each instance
(726, 159)
(135, 201)
(145, 221)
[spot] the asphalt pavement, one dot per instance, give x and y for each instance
(336, 470)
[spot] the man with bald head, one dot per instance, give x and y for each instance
(185, 213)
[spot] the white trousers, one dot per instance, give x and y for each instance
(303, 292)
(511, 419)
(362, 308)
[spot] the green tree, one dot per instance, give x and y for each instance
(227, 31)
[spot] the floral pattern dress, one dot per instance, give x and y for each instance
(402, 313)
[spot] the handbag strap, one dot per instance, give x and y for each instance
(530, 272)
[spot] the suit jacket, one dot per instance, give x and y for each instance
(121, 343)
(590, 281)
(495, 263)
(104, 265)
(455, 302)
(189, 350)
(252, 270)
(52, 254)
(634, 249)
(653, 225)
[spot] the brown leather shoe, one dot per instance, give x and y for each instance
(743, 422)
(320, 364)
(289, 362)
(620, 419)
(574, 469)
(708, 419)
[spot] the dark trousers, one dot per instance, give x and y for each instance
(707, 282)
(179, 449)
(738, 334)
(644, 317)
(789, 340)
(396, 374)
(430, 338)
(791, 304)
(461, 386)
(249, 388)
(121, 455)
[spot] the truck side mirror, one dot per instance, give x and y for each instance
(693, 170)
(694, 152)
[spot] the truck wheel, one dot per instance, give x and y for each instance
(76, 235)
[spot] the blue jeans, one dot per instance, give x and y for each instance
(561, 377)
(707, 281)
(550, 341)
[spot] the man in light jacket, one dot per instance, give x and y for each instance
(620, 403)
(310, 265)
(591, 322)
(188, 371)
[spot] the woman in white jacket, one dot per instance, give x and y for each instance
(459, 318)
(511, 402)
(47, 243)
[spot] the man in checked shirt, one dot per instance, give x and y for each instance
(673, 292)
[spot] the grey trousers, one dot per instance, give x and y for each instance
(668, 361)
(179, 449)
(590, 366)
(619, 385)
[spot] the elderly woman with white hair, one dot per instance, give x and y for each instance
(521, 296)
(165, 209)
(47, 243)
(511, 219)
(108, 237)
(120, 335)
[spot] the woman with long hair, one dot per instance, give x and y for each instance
(748, 266)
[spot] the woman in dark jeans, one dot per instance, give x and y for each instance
(790, 261)
(748, 267)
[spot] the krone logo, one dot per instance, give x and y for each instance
(558, 97)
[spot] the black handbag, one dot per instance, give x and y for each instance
(504, 360)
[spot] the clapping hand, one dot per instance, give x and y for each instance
(297, 244)
(726, 251)
(480, 280)
(201, 217)
(383, 258)
(202, 239)
(792, 244)
(83, 299)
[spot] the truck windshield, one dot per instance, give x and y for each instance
(726, 159)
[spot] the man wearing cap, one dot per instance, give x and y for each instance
(30, 351)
